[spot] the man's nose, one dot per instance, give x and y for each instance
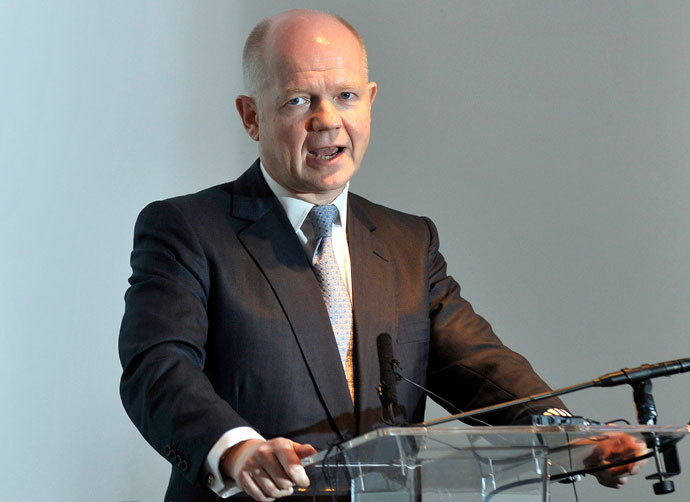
(325, 116)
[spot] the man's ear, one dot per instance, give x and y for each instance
(372, 87)
(246, 106)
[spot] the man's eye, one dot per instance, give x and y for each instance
(347, 95)
(296, 101)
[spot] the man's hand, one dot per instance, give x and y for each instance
(267, 470)
(616, 448)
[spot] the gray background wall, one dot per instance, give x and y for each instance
(548, 140)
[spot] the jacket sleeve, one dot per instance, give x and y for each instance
(162, 342)
(468, 364)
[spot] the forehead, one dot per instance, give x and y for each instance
(301, 52)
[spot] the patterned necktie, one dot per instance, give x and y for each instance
(333, 288)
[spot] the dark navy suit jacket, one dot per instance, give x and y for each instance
(225, 326)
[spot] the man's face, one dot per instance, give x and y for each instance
(315, 110)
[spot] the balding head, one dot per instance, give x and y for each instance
(310, 103)
(283, 29)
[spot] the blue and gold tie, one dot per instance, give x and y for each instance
(333, 288)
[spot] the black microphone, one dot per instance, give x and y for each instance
(387, 382)
(641, 373)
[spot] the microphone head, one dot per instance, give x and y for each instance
(387, 382)
(384, 347)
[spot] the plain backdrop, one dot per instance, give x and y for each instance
(548, 140)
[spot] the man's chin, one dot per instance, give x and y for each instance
(325, 192)
(334, 180)
(335, 185)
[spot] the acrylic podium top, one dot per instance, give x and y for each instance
(477, 460)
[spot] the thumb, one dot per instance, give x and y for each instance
(303, 450)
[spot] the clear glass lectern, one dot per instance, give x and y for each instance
(487, 464)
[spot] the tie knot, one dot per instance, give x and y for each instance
(321, 218)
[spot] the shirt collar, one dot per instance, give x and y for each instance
(297, 210)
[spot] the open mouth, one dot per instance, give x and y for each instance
(327, 153)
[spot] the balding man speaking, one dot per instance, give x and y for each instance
(249, 335)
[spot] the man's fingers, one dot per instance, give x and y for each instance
(612, 483)
(272, 486)
(268, 456)
(251, 488)
(612, 449)
(616, 477)
(605, 478)
(617, 472)
(290, 463)
(267, 470)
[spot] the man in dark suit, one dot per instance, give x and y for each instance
(240, 356)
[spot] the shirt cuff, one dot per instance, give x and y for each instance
(213, 478)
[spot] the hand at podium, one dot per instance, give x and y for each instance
(267, 470)
(611, 449)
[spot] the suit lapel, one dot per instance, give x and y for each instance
(374, 305)
(272, 242)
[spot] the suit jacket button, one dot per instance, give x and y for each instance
(166, 450)
(178, 459)
(171, 454)
(184, 465)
